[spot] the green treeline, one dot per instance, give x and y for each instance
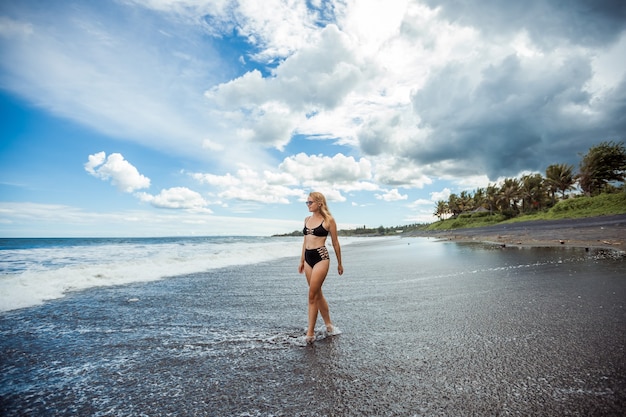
(600, 172)
(570, 208)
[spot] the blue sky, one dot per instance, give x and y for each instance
(191, 117)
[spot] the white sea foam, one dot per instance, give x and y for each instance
(30, 275)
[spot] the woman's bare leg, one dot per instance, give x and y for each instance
(317, 302)
(322, 307)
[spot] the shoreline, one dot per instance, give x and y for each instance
(605, 232)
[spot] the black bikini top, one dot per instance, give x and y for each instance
(318, 231)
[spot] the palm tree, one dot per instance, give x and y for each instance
(509, 196)
(479, 198)
(442, 209)
(531, 192)
(491, 197)
(454, 205)
(603, 164)
(465, 201)
(559, 177)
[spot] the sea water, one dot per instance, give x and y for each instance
(35, 270)
(428, 329)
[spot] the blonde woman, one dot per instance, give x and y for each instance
(315, 260)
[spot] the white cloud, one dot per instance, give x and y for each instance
(442, 195)
(212, 146)
(421, 202)
(122, 174)
(474, 181)
(227, 180)
(265, 194)
(94, 161)
(391, 195)
(276, 27)
(318, 76)
(176, 198)
(373, 22)
(247, 91)
(296, 176)
(127, 178)
(249, 185)
(331, 193)
(280, 178)
(339, 170)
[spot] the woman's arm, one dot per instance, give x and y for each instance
(301, 266)
(336, 247)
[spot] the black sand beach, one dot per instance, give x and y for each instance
(593, 232)
(429, 329)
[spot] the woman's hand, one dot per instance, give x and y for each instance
(340, 269)
(301, 268)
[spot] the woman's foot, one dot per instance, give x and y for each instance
(332, 330)
(309, 339)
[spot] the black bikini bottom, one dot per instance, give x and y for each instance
(313, 256)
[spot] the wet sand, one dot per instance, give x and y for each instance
(594, 232)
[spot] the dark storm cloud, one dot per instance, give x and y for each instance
(582, 22)
(614, 109)
(520, 116)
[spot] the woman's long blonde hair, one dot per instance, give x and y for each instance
(321, 202)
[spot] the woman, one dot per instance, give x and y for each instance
(315, 260)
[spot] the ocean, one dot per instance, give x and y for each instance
(215, 327)
(36, 270)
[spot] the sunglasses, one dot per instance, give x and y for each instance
(308, 203)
